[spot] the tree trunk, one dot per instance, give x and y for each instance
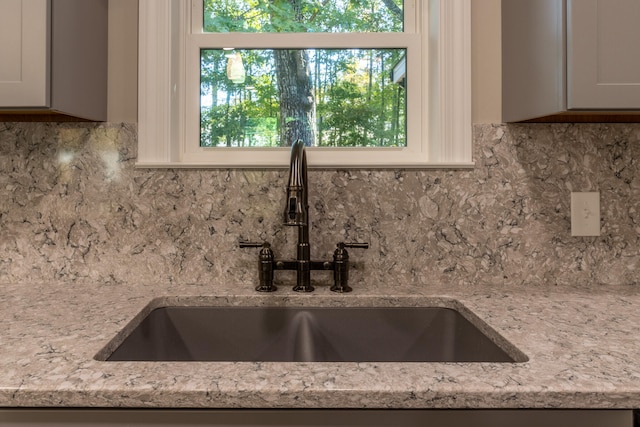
(297, 103)
(394, 8)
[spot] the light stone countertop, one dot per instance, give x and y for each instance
(582, 343)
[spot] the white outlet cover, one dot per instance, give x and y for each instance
(585, 214)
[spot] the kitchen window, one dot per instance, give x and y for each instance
(390, 94)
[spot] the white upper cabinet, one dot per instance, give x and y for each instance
(603, 47)
(53, 58)
(570, 57)
(24, 68)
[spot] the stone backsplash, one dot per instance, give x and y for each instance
(73, 208)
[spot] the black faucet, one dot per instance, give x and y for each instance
(296, 214)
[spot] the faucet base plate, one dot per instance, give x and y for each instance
(303, 288)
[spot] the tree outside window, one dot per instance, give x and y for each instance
(326, 97)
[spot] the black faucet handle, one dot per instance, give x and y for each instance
(244, 244)
(265, 265)
(341, 266)
(356, 245)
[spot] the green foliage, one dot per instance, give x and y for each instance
(356, 103)
(300, 16)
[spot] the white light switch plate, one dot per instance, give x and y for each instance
(585, 214)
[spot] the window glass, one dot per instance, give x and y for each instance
(281, 16)
(326, 97)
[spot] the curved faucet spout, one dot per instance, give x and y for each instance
(296, 208)
(296, 213)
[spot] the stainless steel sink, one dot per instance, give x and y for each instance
(284, 334)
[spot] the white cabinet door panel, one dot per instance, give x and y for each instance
(604, 54)
(24, 58)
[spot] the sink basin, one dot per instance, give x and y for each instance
(319, 334)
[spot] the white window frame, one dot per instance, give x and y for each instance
(439, 133)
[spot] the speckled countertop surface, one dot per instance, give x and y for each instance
(582, 345)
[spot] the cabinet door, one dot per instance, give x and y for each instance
(24, 62)
(603, 42)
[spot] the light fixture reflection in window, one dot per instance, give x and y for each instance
(235, 68)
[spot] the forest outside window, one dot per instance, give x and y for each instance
(326, 97)
(355, 80)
